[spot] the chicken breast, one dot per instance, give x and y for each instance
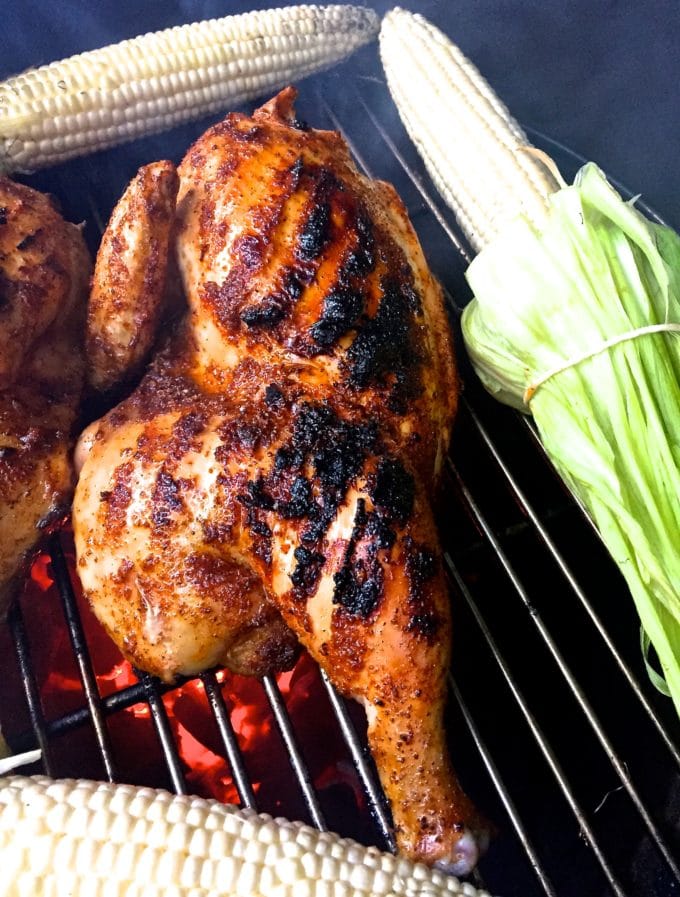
(273, 472)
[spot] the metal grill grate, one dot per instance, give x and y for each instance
(556, 730)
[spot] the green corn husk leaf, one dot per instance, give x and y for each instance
(611, 422)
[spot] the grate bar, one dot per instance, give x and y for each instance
(17, 627)
(117, 700)
(503, 792)
(571, 579)
(80, 649)
(226, 730)
(164, 731)
(540, 738)
(367, 774)
(568, 676)
(417, 182)
(297, 762)
(94, 209)
(338, 127)
(531, 429)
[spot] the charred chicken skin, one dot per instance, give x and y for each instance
(44, 274)
(270, 478)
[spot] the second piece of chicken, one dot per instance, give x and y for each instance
(44, 273)
(277, 461)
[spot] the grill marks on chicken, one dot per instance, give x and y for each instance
(44, 270)
(271, 476)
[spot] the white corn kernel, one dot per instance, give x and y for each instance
(207, 849)
(473, 149)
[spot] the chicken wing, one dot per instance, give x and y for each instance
(44, 273)
(282, 452)
(128, 286)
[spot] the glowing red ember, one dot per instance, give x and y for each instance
(136, 748)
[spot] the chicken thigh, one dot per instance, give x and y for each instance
(44, 274)
(273, 472)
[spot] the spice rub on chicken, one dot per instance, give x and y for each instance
(271, 477)
(44, 273)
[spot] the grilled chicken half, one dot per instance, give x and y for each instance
(44, 275)
(273, 472)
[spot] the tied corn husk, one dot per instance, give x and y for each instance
(551, 297)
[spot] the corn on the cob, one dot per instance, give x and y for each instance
(472, 147)
(77, 838)
(155, 81)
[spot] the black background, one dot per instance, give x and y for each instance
(602, 76)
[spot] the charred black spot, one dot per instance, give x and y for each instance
(384, 346)
(299, 124)
(360, 519)
(165, 499)
(341, 308)
(311, 422)
(3, 215)
(308, 568)
(242, 436)
(345, 303)
(262, 534)
(292, 284)
(273, 396)
(305, 556)
(411, 296)
(259, 527)
(267, 314)
(314, 531)
(421, 565)
(257, 497)
(295, 171)
(287, 457)
(362, 259)
(28, 239)
(301, 502)
(315, 232)
(274, 308)
(334, 450)
(359, 582)
(337, 448)
(359, 598)
(377, 527)
(337, 463)
(426, 624)
(7, 290)
(394, 490)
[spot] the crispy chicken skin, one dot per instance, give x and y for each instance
(44, 273)
(277, 461)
